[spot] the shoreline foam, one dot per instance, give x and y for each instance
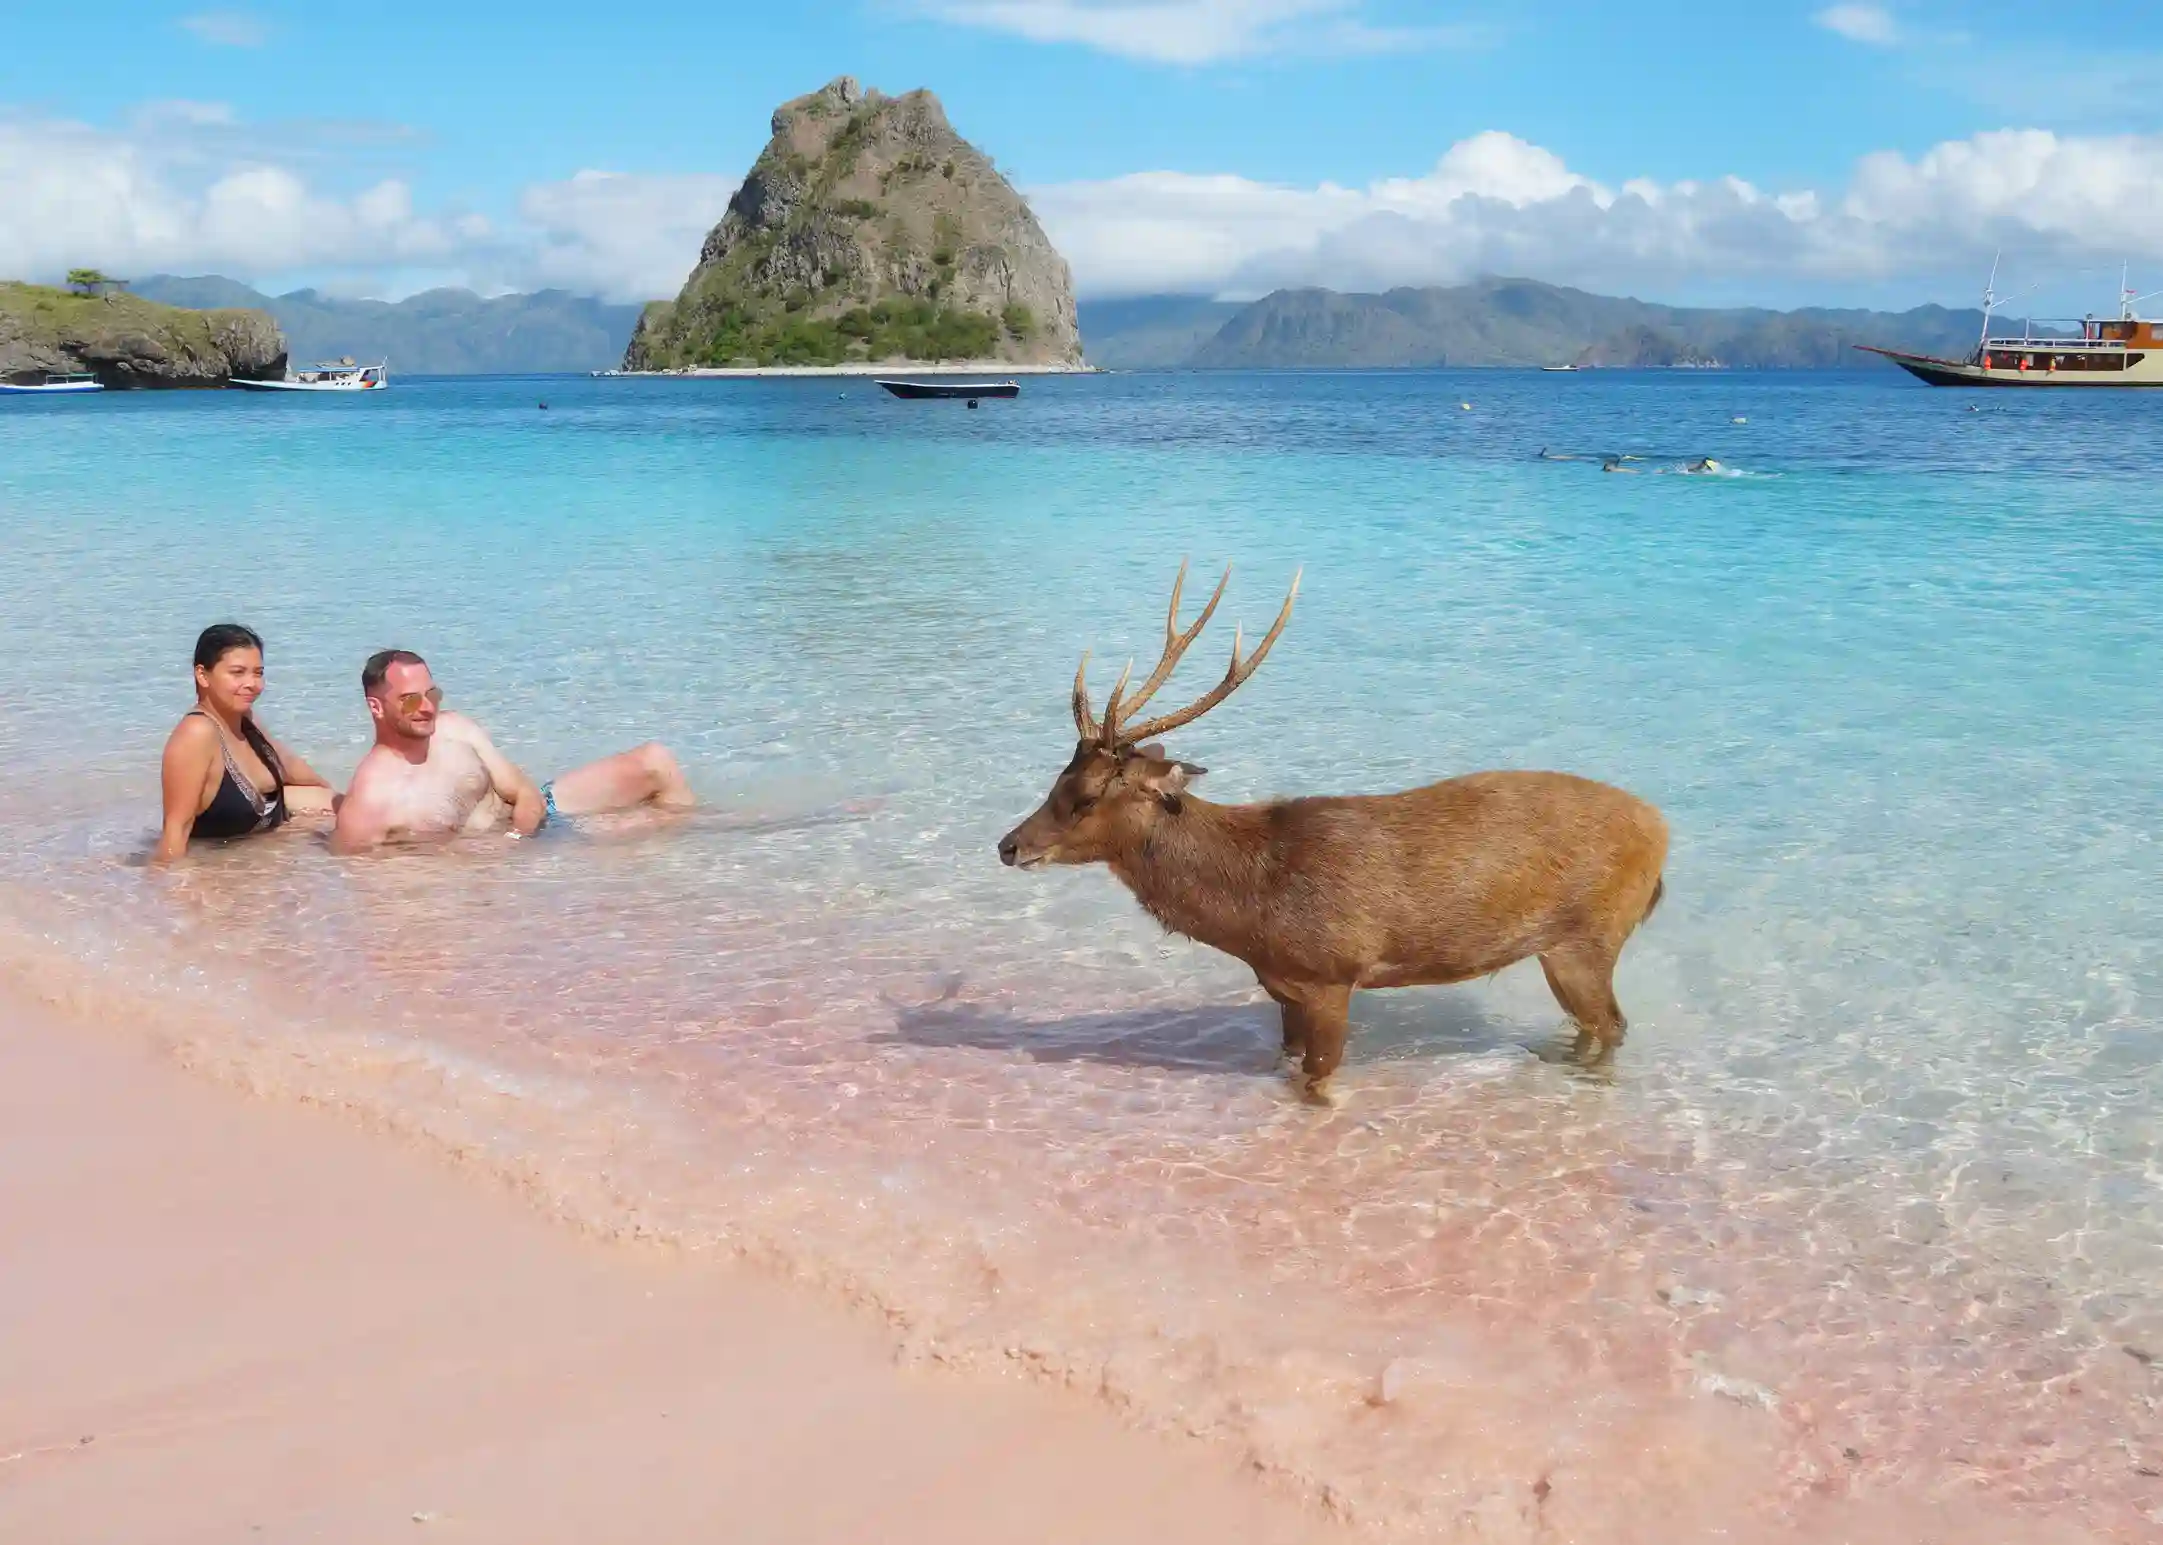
(1518, 1442)
(222, 1316)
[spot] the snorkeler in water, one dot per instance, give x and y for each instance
(1703, 465)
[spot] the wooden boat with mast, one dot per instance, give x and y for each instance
(2085, 351)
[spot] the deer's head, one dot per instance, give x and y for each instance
(1119, 783)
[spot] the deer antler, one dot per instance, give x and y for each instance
(1176, 645)
(1114, 733)
(1085, 721)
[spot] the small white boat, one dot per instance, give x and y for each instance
(332, 376)
(1558, 369)
(54, 381)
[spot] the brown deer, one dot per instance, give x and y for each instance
(1324, 895)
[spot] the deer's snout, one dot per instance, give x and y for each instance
(1009, 850)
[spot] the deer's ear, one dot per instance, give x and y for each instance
(1155, 755)
(1166, 780)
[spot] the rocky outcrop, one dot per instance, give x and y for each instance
(127, 341)
(868, 229)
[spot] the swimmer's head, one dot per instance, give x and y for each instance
(229, 667)
(402, 696)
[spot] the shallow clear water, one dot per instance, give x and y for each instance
(1872, 1205)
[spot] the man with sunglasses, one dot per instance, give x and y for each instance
(437, 774)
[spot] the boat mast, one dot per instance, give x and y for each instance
(1990, 299)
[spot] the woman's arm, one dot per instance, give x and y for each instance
(293, 767)
(307, 792)
(188, 754)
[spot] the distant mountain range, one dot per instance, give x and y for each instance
(1498, 322)
(437, 332)
(1152, 332)
(1491, 322)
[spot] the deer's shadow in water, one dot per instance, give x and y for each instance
(1205, 1038)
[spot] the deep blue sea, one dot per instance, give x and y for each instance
(1871, 1208)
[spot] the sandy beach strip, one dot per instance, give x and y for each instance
(224, 1318)
(897, 370)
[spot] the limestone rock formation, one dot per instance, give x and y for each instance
(868, 229)
(125, 340)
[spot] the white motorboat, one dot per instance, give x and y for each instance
(55, 381)
(332, 376)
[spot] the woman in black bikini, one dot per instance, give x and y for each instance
(224, 777)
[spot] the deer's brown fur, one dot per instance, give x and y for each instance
(1322, 896)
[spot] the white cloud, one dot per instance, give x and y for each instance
(188, 187)
(137, 201)
(1860, 23)
(1496, 204)
(227, 29)
(1198, 31)
(621, 236)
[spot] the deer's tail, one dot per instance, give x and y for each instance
(1659, 890)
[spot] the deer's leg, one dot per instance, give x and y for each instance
(1295, 1027)
(1582, 976)
(1326, 1013)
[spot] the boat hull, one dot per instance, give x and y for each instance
(55, 390)
(2146, 370)
(953, 389)
(308, 386)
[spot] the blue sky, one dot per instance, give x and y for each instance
(1879, 152)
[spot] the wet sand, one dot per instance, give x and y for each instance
(226, 1319)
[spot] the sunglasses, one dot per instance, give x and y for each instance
(410, 702)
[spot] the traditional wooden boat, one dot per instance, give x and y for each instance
(55, 381)
(951, 389)
(2080, 351)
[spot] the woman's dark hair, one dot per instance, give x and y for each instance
(218, 640)
(213, 644)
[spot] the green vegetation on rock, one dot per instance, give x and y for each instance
(890, 329)
(126, 340)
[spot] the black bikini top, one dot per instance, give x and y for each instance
(238, 809)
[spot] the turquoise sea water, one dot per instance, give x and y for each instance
(1872, 1207)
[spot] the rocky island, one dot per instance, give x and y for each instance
(868, 230)
(126, 341)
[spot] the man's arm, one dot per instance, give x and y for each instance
(514, 788)
(363, 815)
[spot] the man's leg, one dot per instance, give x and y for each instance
(637, 777)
